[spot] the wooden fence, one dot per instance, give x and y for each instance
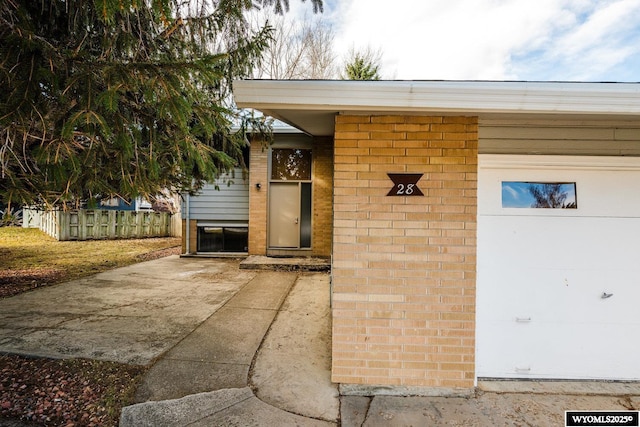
(87, 224)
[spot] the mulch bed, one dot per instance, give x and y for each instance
(160, 253)
(13, 282)
(65, 392)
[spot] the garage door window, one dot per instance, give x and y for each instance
(539, 195)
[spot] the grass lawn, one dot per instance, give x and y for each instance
(29, 258)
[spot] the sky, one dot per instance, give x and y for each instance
(518, 194)
(532, 40)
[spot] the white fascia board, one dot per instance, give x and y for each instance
(470, 97)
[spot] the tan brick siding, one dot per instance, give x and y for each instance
(258, 174)
(193, 236)
(404, 267)
(322, 193)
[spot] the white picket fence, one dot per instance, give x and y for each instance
(87, 224)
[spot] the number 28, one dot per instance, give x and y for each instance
(405, 190)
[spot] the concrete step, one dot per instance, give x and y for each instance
(258, 262)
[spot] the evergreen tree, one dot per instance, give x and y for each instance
(121, 97)
(362, 66)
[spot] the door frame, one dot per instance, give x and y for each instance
(274, 251)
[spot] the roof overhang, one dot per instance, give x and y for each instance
(311, 105)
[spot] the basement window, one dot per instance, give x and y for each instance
(223, 238)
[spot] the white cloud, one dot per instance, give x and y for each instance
(608, 37)
(514, 193)
(490, 39)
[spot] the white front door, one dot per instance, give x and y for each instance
(558, 289)
(284, 215)
(290, 198)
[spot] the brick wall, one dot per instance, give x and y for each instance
(404, 267)
(322, 188)
(258, 168)
(193, 236)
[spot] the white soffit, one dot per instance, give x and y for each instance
(311, 104)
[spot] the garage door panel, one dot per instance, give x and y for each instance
(603, 347)
(556, 295)
(558, 289)
(605, 186)
(558, 242)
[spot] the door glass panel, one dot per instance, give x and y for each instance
(305, 215)
(290, 164)
(236, 239)
(210, 239)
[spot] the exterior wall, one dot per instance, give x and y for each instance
(193, 236)
(322, 190)
(536, 136)
(230, 202)
(322, 152)
(404, 267)
(258, 174)
(119, 204)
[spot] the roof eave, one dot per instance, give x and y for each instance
(443, 97)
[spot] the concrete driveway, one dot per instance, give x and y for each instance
(128, 315)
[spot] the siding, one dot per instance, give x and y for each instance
(229, 203)
(604, 138)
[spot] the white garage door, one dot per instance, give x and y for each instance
(558, 291)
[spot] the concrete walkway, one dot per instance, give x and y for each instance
(219, 352)
(230, 371)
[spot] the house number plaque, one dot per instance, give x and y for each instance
(405, 184)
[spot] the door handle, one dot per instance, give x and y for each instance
(296, 220)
